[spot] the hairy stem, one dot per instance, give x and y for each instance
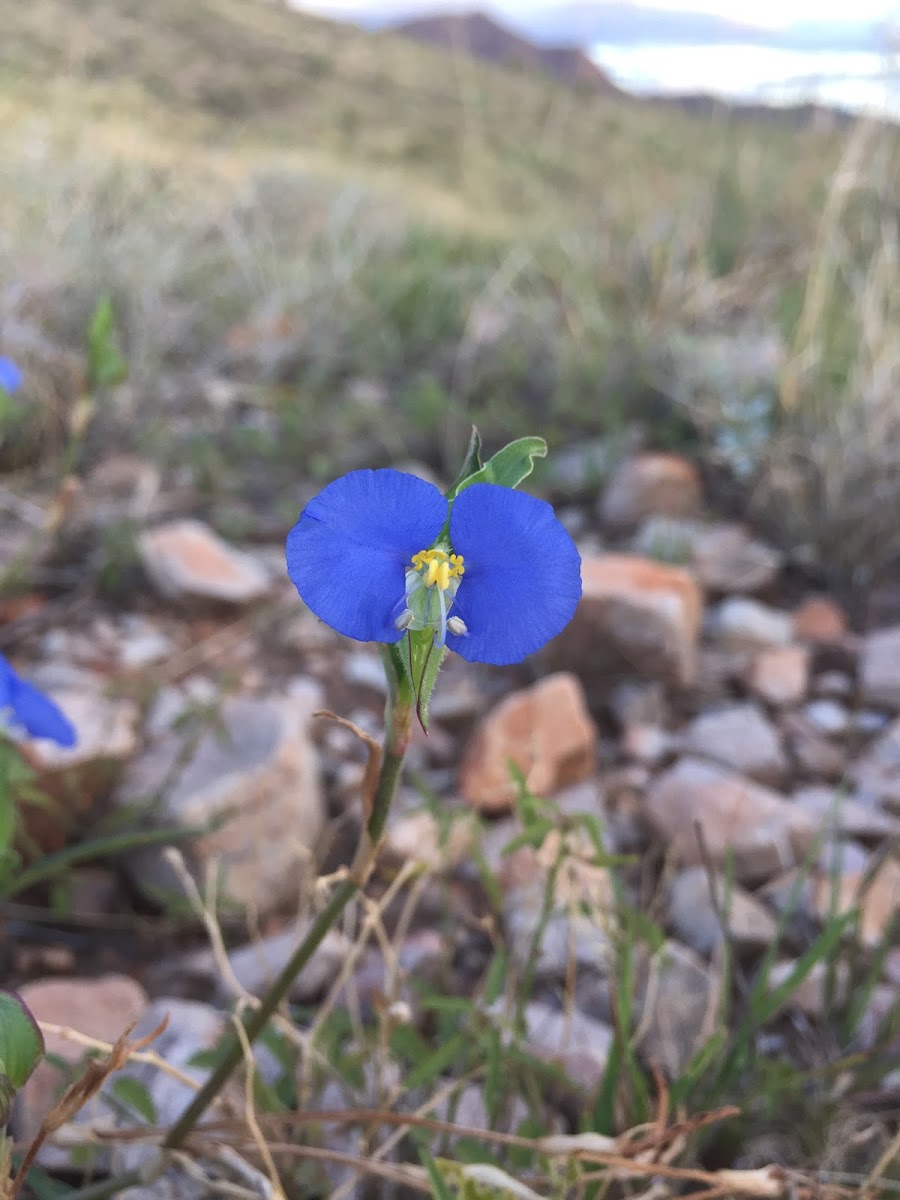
(398, 723)
(259, 1018)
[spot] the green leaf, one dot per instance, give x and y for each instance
(439, 1188)
(508, 467)
(422, 667)
(697, 1067)
(105, 366)
(472, 463)
(45, 1187)
(136, 1096)
(21, 1047)
(764, 1007)
(446, 1055)
(496, 977)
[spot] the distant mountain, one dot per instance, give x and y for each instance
(480, 36)
(619, 22)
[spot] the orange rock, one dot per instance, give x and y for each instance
(878, 899)
(819, 619)
(651, 485)
(545, 730)
(635, 617)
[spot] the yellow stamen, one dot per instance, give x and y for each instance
(438, 568)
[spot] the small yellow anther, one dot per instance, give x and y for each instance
(441, 567)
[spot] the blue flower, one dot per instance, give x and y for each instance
(10, 376)
(373, 555)
(27, 708)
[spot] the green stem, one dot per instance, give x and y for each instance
(399, 719)
(396, 744)
(259, 1018)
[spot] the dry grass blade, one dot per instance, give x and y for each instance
(89, 1083)
(373, 763)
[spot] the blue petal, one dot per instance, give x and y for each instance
(523, 574)
(39, 716)
(10, 375)
(348, 553)
(7, 677)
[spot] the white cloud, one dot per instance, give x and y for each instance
(774, 13)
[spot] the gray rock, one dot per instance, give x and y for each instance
(259, 774)
(668, 539)
(811, 993)
(649, 745)
(366, 671)
(727, 559)
(833, 685)
(579, 471)
(828, 717)
(676, 1009)
(813, 755)
(257, 964)
(764, 831)
(142, 643)
(742, 624)
(577, 1043)
(879, 669)
(582, 917)
(695, 919)
(876, 775)
(637, 702)
(738, 736)
(831, 807)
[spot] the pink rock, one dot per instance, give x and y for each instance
(99, 1008)
(635, 617)
(187, 560)
(780, 676)
(819, 619)
(695, 799)
(651, 484)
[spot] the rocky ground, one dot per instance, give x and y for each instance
(715, 724)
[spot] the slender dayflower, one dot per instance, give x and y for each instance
(374, 555)
(10, 376)
(23, 707)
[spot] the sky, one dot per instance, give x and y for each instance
(774, 13)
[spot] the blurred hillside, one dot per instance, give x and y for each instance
(276, 200)
(249, 75)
